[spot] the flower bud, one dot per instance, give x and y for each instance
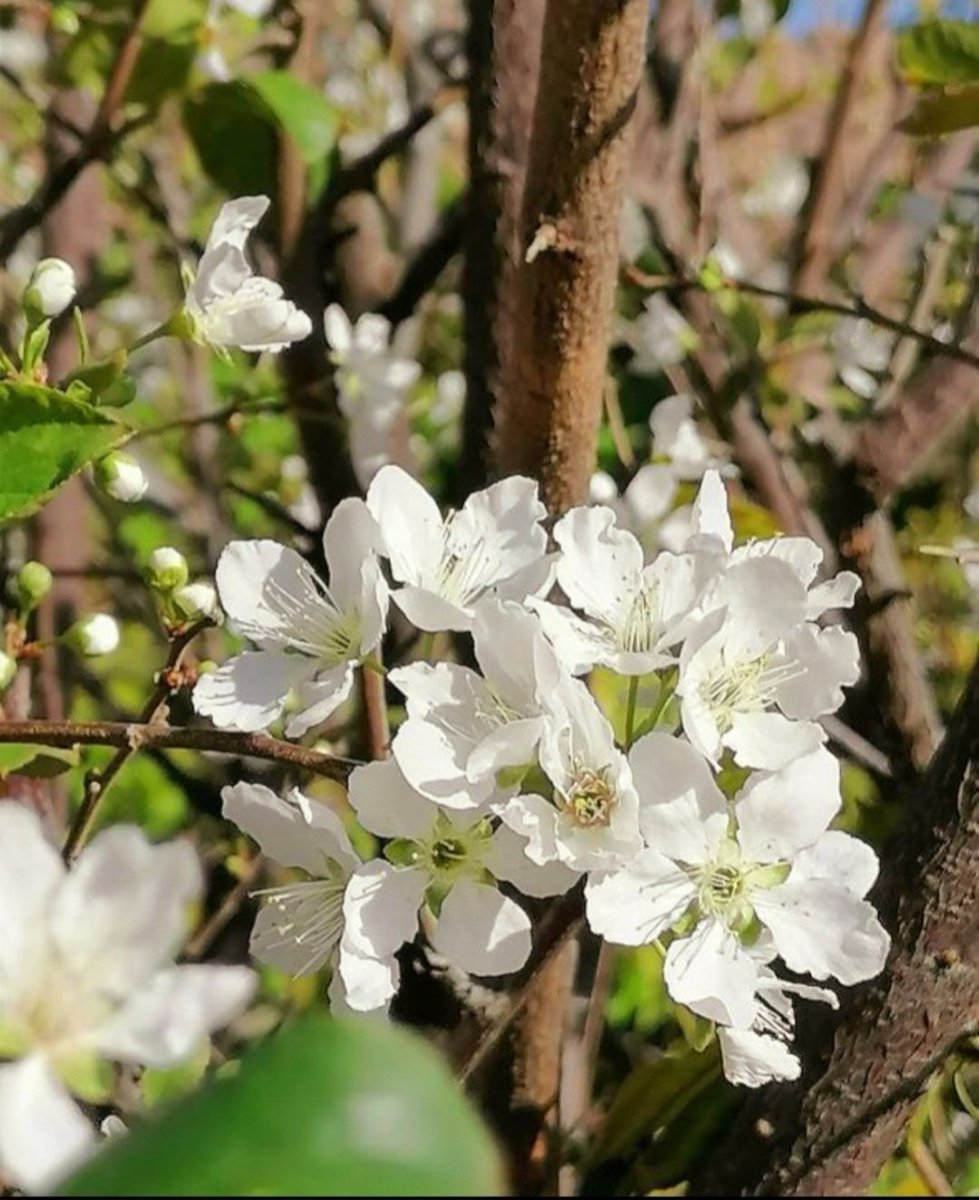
(121, 477)
(50, 289)
(95, 635)
(8, 669)
(31, 584)
(197, 602)
(167, 569)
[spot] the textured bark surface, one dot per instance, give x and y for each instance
(551, 402)
(504, 58)
(832, 1133)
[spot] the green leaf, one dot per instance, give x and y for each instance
(302, 111)
(940, 52)
(160, 1085)
(221, 118)
(945, 111)
(38, 761)
(325, 1108)
(45, 437)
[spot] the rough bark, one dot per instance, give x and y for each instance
(504, 57)
(830, 1134)
(551, 404)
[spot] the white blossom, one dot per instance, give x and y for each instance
(300, 926)
(862, 352)
(373, 382)
(310, 635)
(447, 860)
(659, 337)
(677, 438)
(197, 601)
(95, 635)
(87, 977)
(781, 191)
(227, 304)
(632, 612)
(766, 865)
(591, 821)
(463, 727)
(51, 287)
(494, 545)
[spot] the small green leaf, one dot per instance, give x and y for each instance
(944, 111)
(45, 437)
(940, 52)
(324, 1108)
(302, 111)
(36, 761)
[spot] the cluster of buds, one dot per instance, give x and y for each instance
(182, 603)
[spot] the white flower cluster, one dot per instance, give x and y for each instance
(704, 831)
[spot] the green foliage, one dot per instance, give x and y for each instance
(322, 1109)
(221, 118)
(942, 57)
(45, 437)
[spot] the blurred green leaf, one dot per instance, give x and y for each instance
(945, 111)
(37, 761)
(160, 1085)
(324, 1108)
(45, 437)
(940, 52)
(302, 111)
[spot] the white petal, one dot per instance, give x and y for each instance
(677, 794)
(410, 523)
(249, 692)
(770, 741)
(754, 1059)
(380, 908)
(236, 220)
(821, 929)
(507, 859)
(122, 910)
(711, 973)
(387, 804)
(841, 858)
(368, 983)
(30, 870)
(165, 1022)
(350, 536)
(781, 814)
(319, 698)
(633, 906)
(578, 644)
(534, 818)
(512, 652)
(838, 592)
(429, 611)
(503, 521)
(294, 831)
(710, 512)
(43, 1135)
(336, 326)
(600, 565)
(482, 931)
(827, 660)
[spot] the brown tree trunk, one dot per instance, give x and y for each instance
(564, 288)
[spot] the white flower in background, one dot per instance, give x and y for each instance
(297, 492)
(494, 545)
(87, 978)
(211, 59)
(633, 231)
(862, 352)
(373, 382)
(646, 508)
(765, 866)
(310, 635)
(592, 821)
(781, 191)
(633, 612)
(121, 477)
(366, 86)
(463, 727)
(227, 304)
(677, 438)
(727, 260)
(51, 287)
(21, 50)
(658, 337)
(300, 926)
(446, 859)
(755, 673)
(757, 18)
(95, 635)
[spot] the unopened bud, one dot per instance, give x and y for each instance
(167, 569)
(8, 669)
(50, 289)
(31, 584)
(121, 477)
(95, 635)
(197, 602)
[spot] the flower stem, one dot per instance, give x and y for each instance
(630, 712)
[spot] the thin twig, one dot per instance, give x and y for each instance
(376, 733)
(205, 937)
(68, 734)
(802, 304)
(97, 783)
